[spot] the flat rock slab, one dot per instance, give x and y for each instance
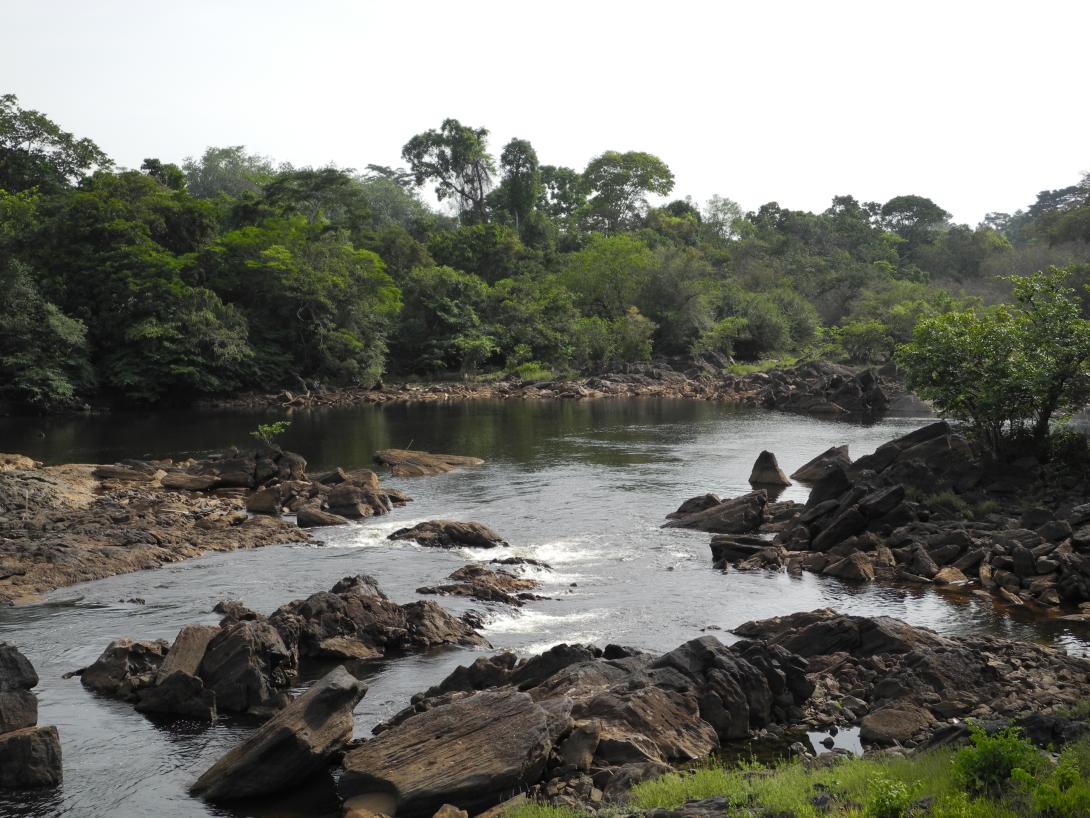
(739, 515)
(292, 745)
(409, 463)
(471, 753)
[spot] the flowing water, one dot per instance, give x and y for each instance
(582, 486)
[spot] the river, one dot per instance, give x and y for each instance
(583, 486)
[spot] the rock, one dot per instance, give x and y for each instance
(847, 523)
(265, 501)
(180, 481)
(695, 504)
(741, 515)
(450, 534)
(16, 672)
(857, 567)
(821, 465)
(178, 690)
(248, 668)
(291, 466)
(352, 501)
(123, 473)
(406, 463)
(312, 516)
(470, 753)
(894, 725)
(478, 582)
(292, 745)
(767, 472)
(450, 811)
(951, 576)
(18, 709)
(12, 462)
(30, 757)
(125, 668)
(363, 623)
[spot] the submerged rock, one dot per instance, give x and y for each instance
(478, 582)
(407, 463)
(291, 746)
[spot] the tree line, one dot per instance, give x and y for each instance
(229, 271)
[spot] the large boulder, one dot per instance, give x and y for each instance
(356, 620)
(740, 515)
(450, 534)
(30, 757)
(248, 668)
(18, 705)
(178, 689)
(470, 753)
(125, 668)
(767, 472)
(821, 465)
(292, 745)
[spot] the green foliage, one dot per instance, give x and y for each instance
(35, 152)
(621, 183)
(43, 361)
(863, 342)
(456, 158)
(1006, 369)
(986, 766)
(440, 321)
(608, 275)
(491, 251)
(1063, 792)
(888, 799)
(229, 171)
(267, 433)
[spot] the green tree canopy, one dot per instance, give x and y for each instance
(456, 158)
(621, 183)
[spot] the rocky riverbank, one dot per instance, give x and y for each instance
(819, 389)
(60, 525)
(926, 509)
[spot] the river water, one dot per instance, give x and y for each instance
(582, 486)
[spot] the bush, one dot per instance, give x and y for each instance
(986, 766)
(1063, 793)
(864, 342)
(1069, 447)
(889, 799)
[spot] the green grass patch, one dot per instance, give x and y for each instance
(996, 776)
(763, 365)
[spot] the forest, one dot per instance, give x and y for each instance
(231, 272)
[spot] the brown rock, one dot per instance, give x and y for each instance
(312, 516)
(470, 753)
(30, 757)
(450, 534)
(857, 567)
(740, 515)
(821, 465)
(767, 472)
(951, 576)
(895, 724)
(406, 463)
(292, 745)
(125, 668)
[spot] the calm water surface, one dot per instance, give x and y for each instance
(582, 486)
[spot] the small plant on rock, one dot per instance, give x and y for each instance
(267, 433)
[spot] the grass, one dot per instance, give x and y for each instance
(949, 781)
(763, 365)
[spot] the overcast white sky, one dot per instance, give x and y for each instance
(977, 105)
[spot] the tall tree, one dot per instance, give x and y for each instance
(456, 158)
(36, 152)
(621, 183)
(230, 171)
(520, 188)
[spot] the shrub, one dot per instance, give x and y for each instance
(986, 766)
(889, 799)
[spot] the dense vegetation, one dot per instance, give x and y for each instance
(230, 272)
(996, 776)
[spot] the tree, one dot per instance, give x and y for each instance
(456, 158)
(168, 175)
(520, 189)
(43, 352)
(36, 152)
(440, 321)
(719, 216)
(621, 183)
(563, 193)
(229, 171)
(491, 251)
(609, 274)
(1006, 370)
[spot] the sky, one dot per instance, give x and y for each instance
(977, 105)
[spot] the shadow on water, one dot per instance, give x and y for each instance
(581, 486)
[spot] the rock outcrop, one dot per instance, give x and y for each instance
(450, 534)
(478, 582)
(502, 725)
(30, 756)
(901, 683)
(249, 662)
(820, 466)
(740, 515)
(291, 746)
(407, 463)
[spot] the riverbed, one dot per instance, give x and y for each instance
(582, 486)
